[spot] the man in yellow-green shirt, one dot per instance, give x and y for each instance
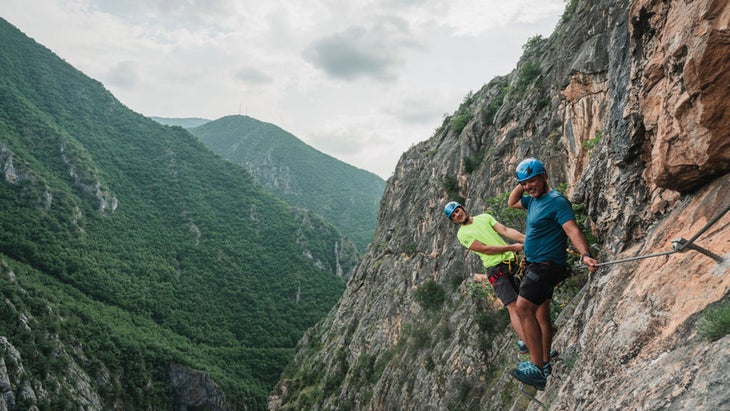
(481, 234)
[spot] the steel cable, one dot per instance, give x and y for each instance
(680, 244)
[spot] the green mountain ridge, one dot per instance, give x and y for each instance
(299, 174)
(187, 122)
(127, 246)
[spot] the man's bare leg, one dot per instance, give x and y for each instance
(527, 311)
(546, 328)
(515, 319)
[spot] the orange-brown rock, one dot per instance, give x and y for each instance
(683, 82)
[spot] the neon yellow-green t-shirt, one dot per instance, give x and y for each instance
(481, 229)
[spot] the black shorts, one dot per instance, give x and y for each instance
(539, 281)
(503, 281)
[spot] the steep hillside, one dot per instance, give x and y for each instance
(131, 255)
(299, 174)
(627, 104)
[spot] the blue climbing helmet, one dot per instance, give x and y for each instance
(528, 168)
(450, 207)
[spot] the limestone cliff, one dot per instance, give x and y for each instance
(627, 104)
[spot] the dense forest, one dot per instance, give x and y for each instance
(126, 245)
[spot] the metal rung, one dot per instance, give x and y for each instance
(681, 245)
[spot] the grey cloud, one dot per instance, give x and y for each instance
(362, 52)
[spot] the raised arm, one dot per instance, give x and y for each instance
(515, 196)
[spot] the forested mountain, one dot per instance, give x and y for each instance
(132, 258)
(299, 174)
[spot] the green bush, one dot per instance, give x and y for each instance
(380, 365)
(490, 112)
(429, 365)
(460, 121)
(543, 102)
(533, 43)
(480, 291)
(450, 184)
(463, 114)
(569, 10)
(420, 338)
(491, 322)
(590, 144)
(526, 75)
(410, 250)
(506, 215)
(715, 323)
(473, 162)
(430, 295)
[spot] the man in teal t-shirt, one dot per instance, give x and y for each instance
(481, 234)
(550, 222)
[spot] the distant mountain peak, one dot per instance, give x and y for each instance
(299, 174)
(187, 122)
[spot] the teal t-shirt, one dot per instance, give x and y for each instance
(481, 229)
(545, 239)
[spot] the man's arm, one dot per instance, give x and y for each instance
(479, 246)
(515, 196)
(580, 243)
(508, 232)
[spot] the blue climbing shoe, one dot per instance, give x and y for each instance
(522, 346)
(547, 369)
(528, 373)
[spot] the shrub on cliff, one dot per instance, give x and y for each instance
(715, 324)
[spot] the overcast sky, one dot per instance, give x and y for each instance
(359, 80)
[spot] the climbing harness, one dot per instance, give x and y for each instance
(521, 266)
(494, 277)
(498, 271)
(521, 388)
(680, 245)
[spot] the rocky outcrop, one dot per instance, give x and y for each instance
(680, 89)
(24, 176)
(343, 257)
(629, 112)
(195, 390)
(84, 174)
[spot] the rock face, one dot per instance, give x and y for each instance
(195, 390)
(680, 89)
(629, 111)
